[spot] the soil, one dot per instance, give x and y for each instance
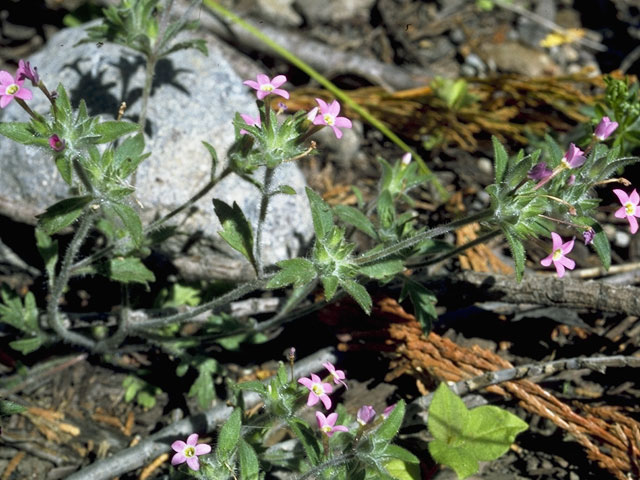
(78, 413)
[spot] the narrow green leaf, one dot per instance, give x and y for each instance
(129, 270)
(285, 190)
(197, 44)
(383, 269)
(130, 219)
(128, 155)
(236, 230)
(113, 129)
(229, 436)
(386, 211)
(214, 158)
(517, 252)
(249, 465)
(18, 132)
(307, 438)
(203, 388)
(48, 250)
(62, 214)
(8, 407)
(423, 301)
(27, 345)
(501, 159)
(320, 214)
(64, 166)
(356, 218)
(358, 293)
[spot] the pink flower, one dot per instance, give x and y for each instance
(265, 87)
(629, 207)
(10, 88)
(574, 157)
(56, 143)
(25, 71)
(311, 116)
(366, 413)
(539, 172)
(329, 116)
(188, 452)
(558, 255)
(406, 159)
(317, 390)
(605, 128)
(387, 411)
(328, 424)
(249, 120)
(588, 235)
(338, 375)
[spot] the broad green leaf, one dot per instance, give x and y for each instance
(383, 269)
(399, 453)
(18, 132)
(229, 436)
(27, 345)
(236, 230)
(358, 293)
(296, 271)
(146, 399)
(401, 470)
(62, 214)
(48, 250)
(423, 301)
(320, 214)
(356, 218)
(463, 437)
(113, 129)
(391, 425)
(501, 159)
(128, 155)
(248, 460)
(330, 285)
(129, 270)
(8, 407)
(517, 252)
(386, 211)
(203, 388)
(130, 219)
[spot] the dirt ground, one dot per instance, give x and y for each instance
(77, 410)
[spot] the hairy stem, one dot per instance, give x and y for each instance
(264, 204)
(62, 279)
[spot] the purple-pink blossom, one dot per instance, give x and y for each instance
(329, 116)
(574, 157)
(56, 143)
(540, 172)
(264, 86)
(328, 424)
(249, 120)
(25, 71)
(605, 128)
(189, 451)
(588, 235)
(629, 207)
(318, 391)
(338, 375)
(387, 411)
(558, 254)
(365, 414)
(10, 88)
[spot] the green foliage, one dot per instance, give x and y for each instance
(453, 92)
(622, 105)
(423, 301)
(8, 408)
(202, 387)
(62, 214)
(48, 250)
(236, 230)
(229, 436)
(464, 437)
(23, 316)
(129, 270)
(142, 392)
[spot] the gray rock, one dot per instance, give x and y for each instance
(331, 11)
(279, 12)
(194, 99)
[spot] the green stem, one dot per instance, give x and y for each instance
(413, 241)
(114, 341)
(334, 462)
(212, 305)
(62, 280)
(264, 205)
(326, 83)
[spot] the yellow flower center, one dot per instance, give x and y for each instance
(189, 451)
(328, 119)
(12, 89)
(317, 389)
(266, 88)
(557, 254)
(630, 208)
(326, 429)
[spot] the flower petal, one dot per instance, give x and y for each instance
(313, 399)
(556, 241)
(252, 84)
(203, 449)
(326, 401)
(567, 262)
(336, 131)
(5, 100)
(281, 92)
(633, 223)
(331, 418)
(178, 445)
(24, 94)
(278, 80)
(342, 122)
(193, 463)
(622, 195)
(634, 197)
(178, 458)
(559, 269)
(5, 78)
(306, 382)
(262, 79)
(334, 108)
(620, 213)
(324, 108)
(192, 440)
(546, 261)
(568, 246)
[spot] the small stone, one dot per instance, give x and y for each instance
(476, 62)
(457, 36)
(621, 239)
(485, 165)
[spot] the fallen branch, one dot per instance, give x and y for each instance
(155, 445)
